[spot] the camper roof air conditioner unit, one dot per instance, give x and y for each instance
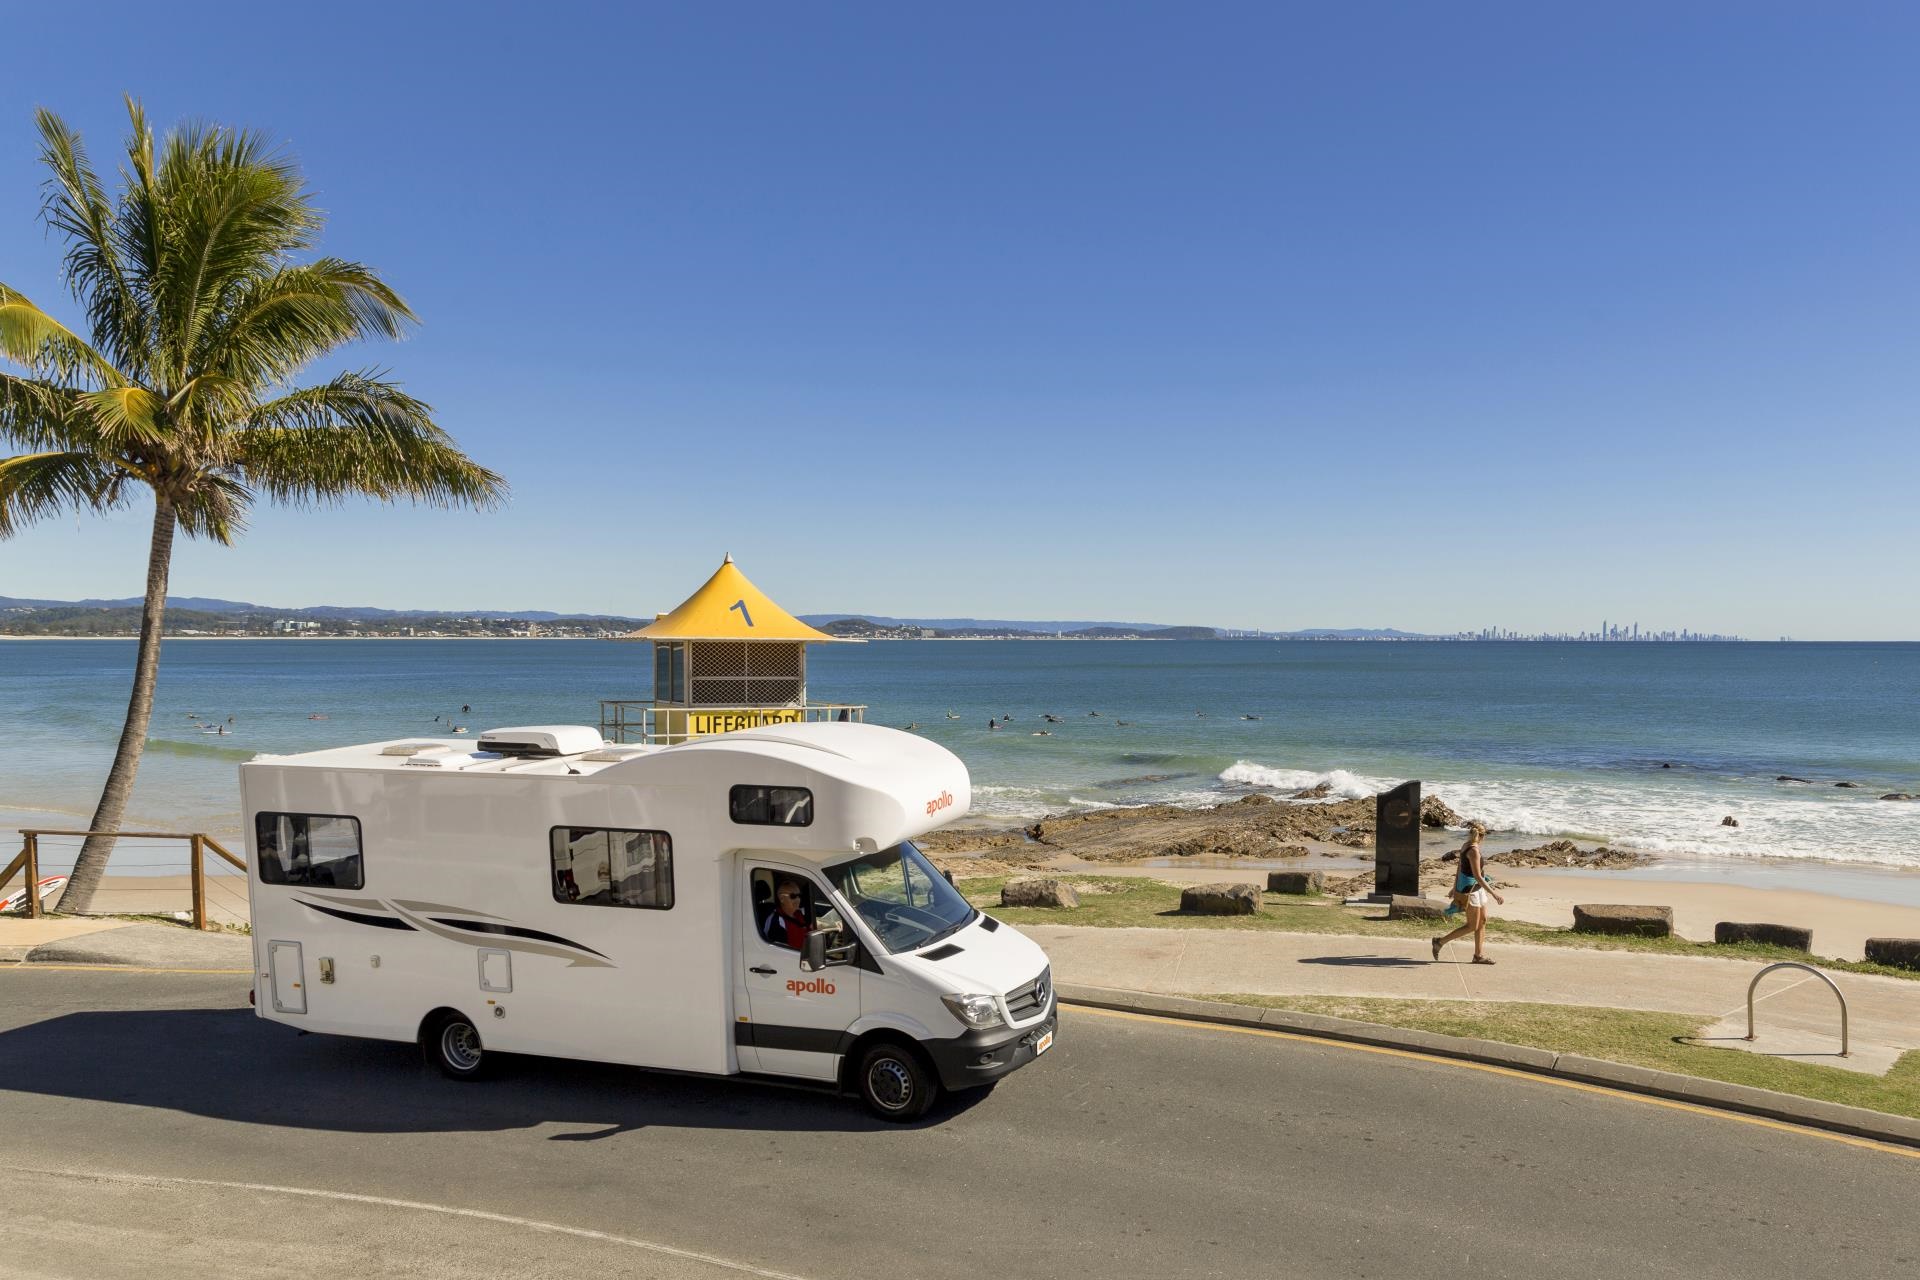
(542, 740)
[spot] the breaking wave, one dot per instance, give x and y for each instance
(1341, 784)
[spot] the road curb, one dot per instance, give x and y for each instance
(1855, 1121)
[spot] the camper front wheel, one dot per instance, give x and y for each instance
(895, 1084)
(454, 1045)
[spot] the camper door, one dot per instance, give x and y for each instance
(794, 1022)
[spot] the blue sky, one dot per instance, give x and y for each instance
(1265, 315)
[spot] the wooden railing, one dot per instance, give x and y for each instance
(198, 844)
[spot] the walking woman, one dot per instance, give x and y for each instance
(1470, 890)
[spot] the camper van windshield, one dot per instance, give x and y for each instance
(902, 898)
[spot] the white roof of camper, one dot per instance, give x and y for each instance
(863, 754)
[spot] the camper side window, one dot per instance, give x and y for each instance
(603, 868)
(309, 849)
(771, 806)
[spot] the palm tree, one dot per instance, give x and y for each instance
(203, 308)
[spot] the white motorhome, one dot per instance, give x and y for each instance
(745, 903)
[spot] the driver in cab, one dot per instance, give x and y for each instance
(788, 926)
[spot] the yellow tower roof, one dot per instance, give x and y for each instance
(728, 607)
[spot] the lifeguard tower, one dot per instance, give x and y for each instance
(728, 658)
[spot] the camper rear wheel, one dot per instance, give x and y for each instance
(453, 1044)
(895, 1084)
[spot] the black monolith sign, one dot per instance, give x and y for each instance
(1396, 840)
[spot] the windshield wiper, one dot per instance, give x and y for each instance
(950, 930)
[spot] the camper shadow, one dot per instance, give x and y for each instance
(226, 1064)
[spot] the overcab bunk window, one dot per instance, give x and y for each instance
(603, 868)
(309, 849)
(771, 806)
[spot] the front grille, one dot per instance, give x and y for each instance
(1030, 1000)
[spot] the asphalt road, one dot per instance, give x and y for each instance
(150, 1125)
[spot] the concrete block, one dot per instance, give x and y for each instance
(1778, 935)
(1404, 907)
(1645, 922)
(1221, 899)
(1903, 953)
(1038, 893)
(1296, 882)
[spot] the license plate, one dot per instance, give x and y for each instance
(1043, 1044)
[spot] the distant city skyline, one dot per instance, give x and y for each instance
(1261, 315)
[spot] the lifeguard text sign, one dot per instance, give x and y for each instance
(703, 722)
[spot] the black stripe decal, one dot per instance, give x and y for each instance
(514, 931)
(764, 1035)
(378, 922)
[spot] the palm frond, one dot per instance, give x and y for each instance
(34, 486)
(74, 204)
(40, 415)
(233, 209)
(358, 436)
(215, 507)
(31, 337)
(125, 418)
(277, 324)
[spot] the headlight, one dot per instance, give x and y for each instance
(978, 1012)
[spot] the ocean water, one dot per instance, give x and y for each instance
(1640, 745)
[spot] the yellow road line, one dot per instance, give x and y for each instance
(1537, 1078)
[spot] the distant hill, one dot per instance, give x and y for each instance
(328, 612)
(974, 624)
(871, 628)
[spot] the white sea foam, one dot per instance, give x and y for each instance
(1342, 784)
(1660, 817)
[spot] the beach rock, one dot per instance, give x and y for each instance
(1645, 922)
(1902, 953)
(1787, 777)
(1038, 893)
(1291, 851)
(1404, 907)
(1319, 791)
(1565, 853)
(1295, 882)
(1435, 813)
(1846, 784)
(1777, 935)
(1221, 899)
(1729, 821)
(1257, 798)
(1899, 795)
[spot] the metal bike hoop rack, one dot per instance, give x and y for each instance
(1795, 964)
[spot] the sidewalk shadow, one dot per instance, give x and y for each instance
(227, 1064)
(1367, 962)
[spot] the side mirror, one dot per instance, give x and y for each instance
(815, 954)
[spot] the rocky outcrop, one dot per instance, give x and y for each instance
(1729, 821)
(1038, 893)
(1787, 777)
(1318, 791)
(1774, 935)
(1614, 918)
(1901, 953)
(1846, 784)
(1435, 813)
(1403, 907)
(1565, 853)
(1899, 795)
(1221, 899)
(1296, 882)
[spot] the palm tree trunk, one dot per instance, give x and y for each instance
(92, 862)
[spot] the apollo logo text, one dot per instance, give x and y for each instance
(943, 801)
(810, 987)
